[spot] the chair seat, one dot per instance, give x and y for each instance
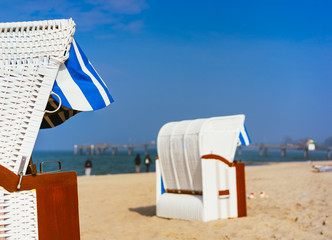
(181, 206)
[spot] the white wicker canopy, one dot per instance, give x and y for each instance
(182, 144)
(38, 60)
(196, 169)
(30, 56)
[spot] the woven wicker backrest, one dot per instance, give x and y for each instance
(18, 215)
(182, 144)
(30, 56)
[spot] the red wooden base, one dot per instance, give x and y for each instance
(57, 201)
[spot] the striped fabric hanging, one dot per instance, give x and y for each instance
(80, 88)
(244, 139)
(79, 85)
(52, 120)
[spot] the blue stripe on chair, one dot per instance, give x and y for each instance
(83, 81)
(93, 72)
(82, 76)
(58, 91)
(243, 143)
(244, 136)
(245, 130)
(162, 186)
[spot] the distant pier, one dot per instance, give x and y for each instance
(102, 149)
(264, 149)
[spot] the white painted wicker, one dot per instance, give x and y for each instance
(193, 184)
(18, 215)
(30, 56)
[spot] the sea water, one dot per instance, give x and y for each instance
(124, 163)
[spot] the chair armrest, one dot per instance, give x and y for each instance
(217, 157)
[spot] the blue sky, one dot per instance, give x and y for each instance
(175, 60)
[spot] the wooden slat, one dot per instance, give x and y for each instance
(241, 190)
(223, 192)
(183, 191)
(217, 157)
(57, 201)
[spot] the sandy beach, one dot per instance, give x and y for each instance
(299, 206)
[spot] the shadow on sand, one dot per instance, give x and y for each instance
(148, 211)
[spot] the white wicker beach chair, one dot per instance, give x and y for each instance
(45, 78)
(197, 178)
(30, 56)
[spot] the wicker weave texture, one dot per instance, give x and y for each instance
(30, 56)
(35, 42)
(18, 215)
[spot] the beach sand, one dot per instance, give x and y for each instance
(299, 206)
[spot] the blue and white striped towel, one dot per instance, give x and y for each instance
(79, 85)
(244, 137)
